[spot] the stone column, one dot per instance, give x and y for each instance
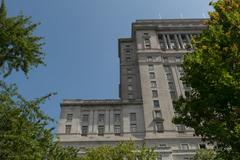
(177, 42)
(91, 121)
(189, 40)
(180, 40)
(111, 119)
(169, 42)
(165, 41)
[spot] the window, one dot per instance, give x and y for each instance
(159, 126)
(173, 95)
(68, 129)
(101, 118)
(116, 118)
(84, 130)
(101, 130)
(128, 59)
(167, 68)
(156, 103)
(130, 87)
(133, 117)
(129, 79)
(153, 84)
(165, 59)
(69, 117)
(154, 93)
(149, 59)
(180, 128)
(161, 41)
(147, 44)
(178, 59)
(150, 67)
(152, 75)
(171, 85)
(202, 146)
(127, 46)
(133, 127)
(172, 41)
(85, 118)
(145, 34)
(129, 70)
(130, 96)
(158, 114)
(117, 130)
(169, 76)
(184, 146)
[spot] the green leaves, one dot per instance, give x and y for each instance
(213, 71)
(19, 48)
(123, 150)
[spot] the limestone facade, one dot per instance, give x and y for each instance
(150, 72)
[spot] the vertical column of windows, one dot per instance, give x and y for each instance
(85, 123)
(170, 80)
(133, 122)
(117, 124)
(101, 124)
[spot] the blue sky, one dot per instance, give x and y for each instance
(81, 43)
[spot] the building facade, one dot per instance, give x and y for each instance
(150, 72)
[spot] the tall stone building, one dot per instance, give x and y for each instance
(150, 72)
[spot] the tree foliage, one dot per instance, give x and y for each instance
(213, 71)
(19, 48)
(124, 150)
(205, 154)
(24, 134)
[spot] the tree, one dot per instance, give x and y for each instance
(213, 71)
(23, 126)
(19, 48)
(121, 151)
(205, 154)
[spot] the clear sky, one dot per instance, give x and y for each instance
(81, 43)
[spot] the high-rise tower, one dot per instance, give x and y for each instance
(150, 72)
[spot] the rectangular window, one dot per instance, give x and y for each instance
(154, 93)
(133, 117)
(172, 41)
(69, 117)
(129, 70)
(133, 127)
(147, 43)
(85, 118)
(178, 59)
(149, 59)
(130, 96)
(173, 95)
(152, 75)
(165, 59)
(171, 85)
(158, 114)
(156, 103)
(202, 146)
(129, 79)
(101, 130)
(159, 127)
(150, 67)
(169, 76)
(68, 129)
(117, 118)
(184, 146)
(128, 59)
(153, 84)
(117, 129)
(84, 130)
(180, 128)
(101, 118)
(167, 68)
(130, 87)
